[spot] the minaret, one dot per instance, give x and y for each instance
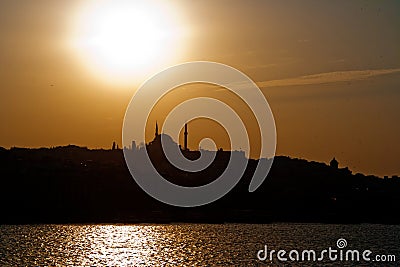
(185, 140)
(156, 130)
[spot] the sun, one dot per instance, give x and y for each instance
(122, 38)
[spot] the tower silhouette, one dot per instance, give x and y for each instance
(156, 134)
(185, 135)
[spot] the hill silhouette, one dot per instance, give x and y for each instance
(74, 184)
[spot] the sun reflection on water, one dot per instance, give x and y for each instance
(177, 244)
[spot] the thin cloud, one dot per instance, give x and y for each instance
(328, 77)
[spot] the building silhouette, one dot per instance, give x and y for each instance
(334, 163)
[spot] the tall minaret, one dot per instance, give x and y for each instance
(156, 134)
(185, 140)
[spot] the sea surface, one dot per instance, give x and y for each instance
(191, 244)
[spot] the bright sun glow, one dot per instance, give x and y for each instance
(122, 38)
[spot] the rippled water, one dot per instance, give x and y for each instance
(184, 244)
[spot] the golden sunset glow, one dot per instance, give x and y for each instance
(199, 133)
(124, 39)
(329, 70)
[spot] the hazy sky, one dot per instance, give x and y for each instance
(329, 69)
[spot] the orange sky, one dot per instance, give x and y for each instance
(329, 70)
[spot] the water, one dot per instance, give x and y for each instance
(186, 244)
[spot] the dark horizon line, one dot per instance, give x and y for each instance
(121, 149)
